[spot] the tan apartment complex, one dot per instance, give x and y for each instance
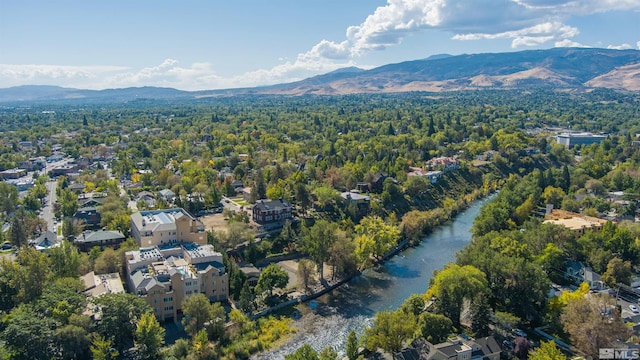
(168, 226)
(164, 275)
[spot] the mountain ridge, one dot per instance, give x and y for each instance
(556, 68)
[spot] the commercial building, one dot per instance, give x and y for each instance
(582, 138)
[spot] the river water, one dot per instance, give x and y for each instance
(328, 319)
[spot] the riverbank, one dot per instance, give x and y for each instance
(330, 285)
(326, 320)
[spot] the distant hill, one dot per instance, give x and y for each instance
(557, 68)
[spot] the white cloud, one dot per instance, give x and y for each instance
(569, 43)
(638, 45)
(624, 46)
(11, 74)
(526, 22)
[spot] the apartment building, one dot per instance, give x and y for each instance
(167, 226)
(164, 275)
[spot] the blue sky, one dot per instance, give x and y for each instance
(209, 44)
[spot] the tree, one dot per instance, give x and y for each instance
(246, 301)
(27, 334)
(107, 262)
(305, 274)
(384, 236)
(149, 336)
(480, 316)
(120, 313)
(413, 305)
(618, 272)
(102, 348)
(452, 285)
(8, 198)
(390, 330)
(434, 327)
(547, 351)
(593, 322)
(65, 260)
(352, 346)
(33, 275)
(328, 353)
(19, 230)
(197, 312)
(305, 352)
(272, 277)
(317, 242)
(73, 341)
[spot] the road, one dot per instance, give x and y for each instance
(47, 210)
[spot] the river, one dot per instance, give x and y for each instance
(328, 319)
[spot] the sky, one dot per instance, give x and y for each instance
(212, 44)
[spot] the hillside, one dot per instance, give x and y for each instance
(557, 68)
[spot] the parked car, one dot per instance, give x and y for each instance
(634, 309)
(518, 332)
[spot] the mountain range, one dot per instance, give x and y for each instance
(557, 68)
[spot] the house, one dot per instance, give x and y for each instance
(377, 182)
(167, 195)
(362, 202)
(101, 239)
(444, 163)
(89, 217)
(433, 176)
(246, 194)
(167, 226)
(77, 187)
(164, 275)
(90, 202)
(237, 184)
(461, 347)
(148, 198)
(12, 174)
(576, 272)
(46, 241)
(270, 211)
(251, 272)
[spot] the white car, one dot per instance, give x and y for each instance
(634, 309)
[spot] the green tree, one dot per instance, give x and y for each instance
(452, 285)
(73, 341)
(435, 328)
(19, 230)
(197, 312)
(65, 260)
(120, 313)
(352, 346)
(27, 334)
(618, 272)
(8, 198)
(390, 330)
(328, 353)
(305, 352)
(246, 301)
(272, 277)
(305, 274)
(547, 351)
(103, 348)
(385, 236)
(317, 241)
(149, 336)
